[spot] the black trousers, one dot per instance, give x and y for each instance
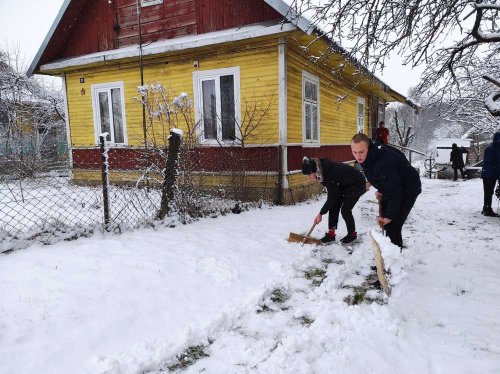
(456, 174)
(488, 187)
(394, 229)
(343, 204)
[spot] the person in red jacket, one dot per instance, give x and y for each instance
(382, 133)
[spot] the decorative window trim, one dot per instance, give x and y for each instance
(95, 88)
(360, 100)
(381, 112)
(198, 78)
(308, 77)
(145, 3)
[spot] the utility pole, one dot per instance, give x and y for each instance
(141, 69)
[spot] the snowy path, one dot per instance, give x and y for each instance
(130, 303)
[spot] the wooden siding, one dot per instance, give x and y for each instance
(214, 15)
(258, 83)
(208, 159)
(86, 27)
(90, 26)
(338, 119)
(335, 152)
(171, 19)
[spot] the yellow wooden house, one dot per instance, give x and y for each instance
(242, 63)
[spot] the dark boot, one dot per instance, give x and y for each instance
(349, 237)
(327, 239)
(488, 212)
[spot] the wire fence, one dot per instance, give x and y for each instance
(113, 189)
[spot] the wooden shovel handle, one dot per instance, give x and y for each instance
(380, 213)
(311, 229)
(309, 233)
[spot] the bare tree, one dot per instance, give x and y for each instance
(251, 131)
(31, 119)
(402, 126)
(417, 30)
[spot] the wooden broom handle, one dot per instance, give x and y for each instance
(380, 213)
(312, 228)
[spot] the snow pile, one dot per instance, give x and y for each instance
(236, 291)
(393, 261)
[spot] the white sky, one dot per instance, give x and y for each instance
(26, 22)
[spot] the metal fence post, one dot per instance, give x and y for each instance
(105, 179)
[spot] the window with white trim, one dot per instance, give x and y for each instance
(381, 112)
(217, 98)
(108, 104)
(310, 108)
(361, 114)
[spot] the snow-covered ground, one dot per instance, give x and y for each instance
(131, 303)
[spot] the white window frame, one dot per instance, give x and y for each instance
(381, 112)
(198, 78)
(308, 77)
(102, 87)
(360, 118)
(145, 3)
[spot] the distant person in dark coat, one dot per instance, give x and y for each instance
(457, 161)
(382, 133)
(491, 174)
(397, 182)
(344, 186)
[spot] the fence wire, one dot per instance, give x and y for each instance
(62, 198)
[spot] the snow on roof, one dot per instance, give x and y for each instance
(446, 143)
(176, 44)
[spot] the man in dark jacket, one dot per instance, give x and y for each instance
(491, 174)
(344, 185)
(457, 161)
(397, 182)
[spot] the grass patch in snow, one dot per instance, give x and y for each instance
(305, 321)
(357, 297)
(278, 296)
(187, 358)
(316, 275)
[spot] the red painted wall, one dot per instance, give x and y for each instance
(90, 26)
(335, 152)
(214, 15)
(210, 159)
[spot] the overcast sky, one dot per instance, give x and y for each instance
(26, 23)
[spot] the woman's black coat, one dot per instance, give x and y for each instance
(340, 180)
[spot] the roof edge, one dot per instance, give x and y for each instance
(286, 11)
(171, 45)
(52, 29)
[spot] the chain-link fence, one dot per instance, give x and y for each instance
(116, 189)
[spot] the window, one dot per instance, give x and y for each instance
(150, 2)
(381, 110)
(310, 108)
(361, 114)
(109, 112)
(217, 104)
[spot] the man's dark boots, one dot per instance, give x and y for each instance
(329, 237)
(349, 237)
(488, 212)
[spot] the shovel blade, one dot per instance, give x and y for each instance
(379, 262)
(297, 238)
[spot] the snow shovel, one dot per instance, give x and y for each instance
(379, 260)
(304, 239)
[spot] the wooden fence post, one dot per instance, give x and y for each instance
(171, 170)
